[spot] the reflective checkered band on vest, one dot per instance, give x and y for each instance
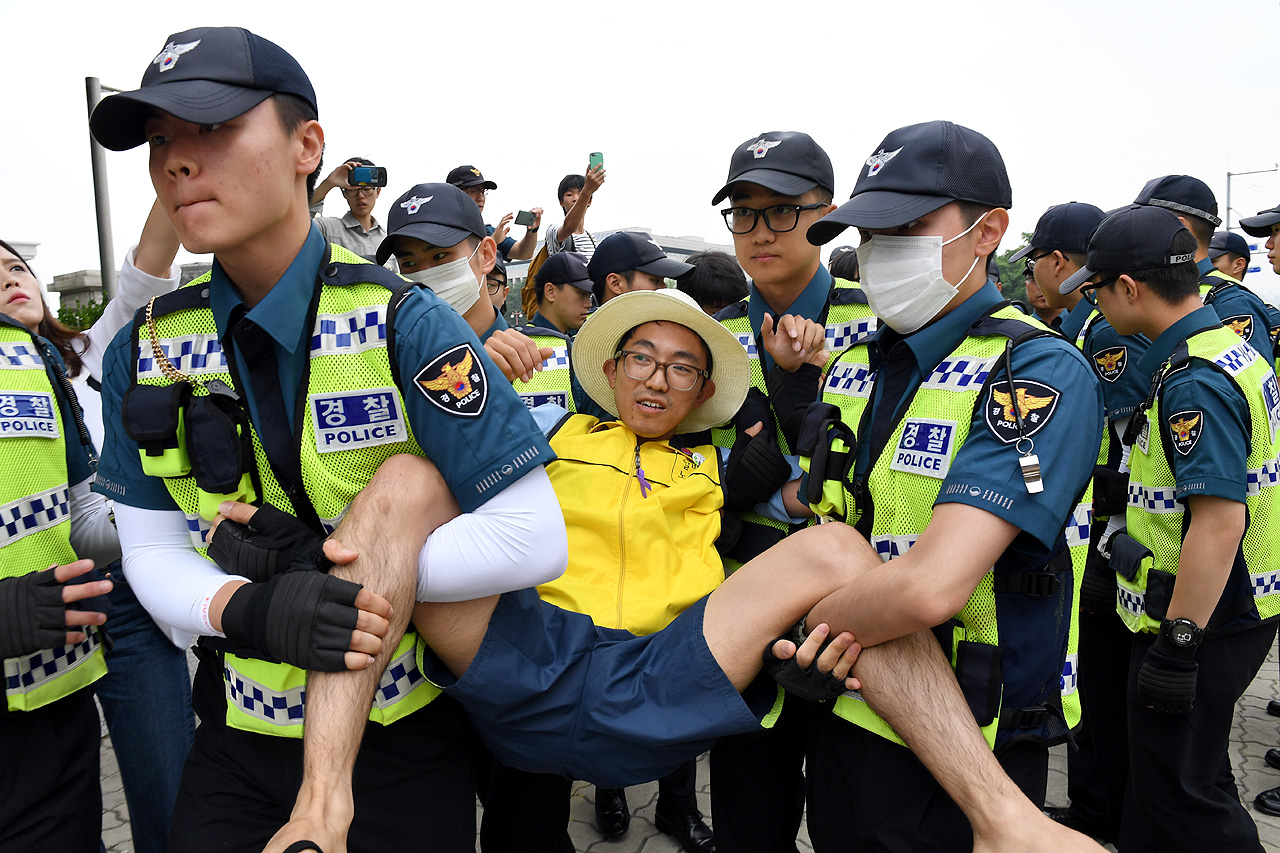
(351, 332)
(1077, 530)
(280, 708)
(20, 357)
(558, 360)
(1131, 601)
(748, 342)
(1264, 477)
(1153, 500)
(891, 547)
(844, 335)
(1236, 359)
(959, 373)
(192, 354)
(198, 528)
(1265, 583)
(25, 674)
(33, 513)
(852, 379)
(1070, 675)
(400, 676)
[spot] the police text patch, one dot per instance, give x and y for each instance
(533, 400)
(1035, 401)
(1241, 324)
(454, 382)
(351, 419)
(1271, 399)
(1185, 429)
(28, 415)
(925, 447)
(1111, 362)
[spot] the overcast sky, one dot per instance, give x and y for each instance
(1086, 100)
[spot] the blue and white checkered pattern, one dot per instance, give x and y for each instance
(1265, 477)
(1078, 525)
(558, 360)
(198, 528)
(33, 513)
(280, 709)
(851, 379)
(1265, 583)
(191, 354)
(1070, 676)
(890, 547)
(841, 336)
(20, 357)
(352, 332)
(1236, 358)
(1153, 500)
(400, 676)
(1132, 602)
(748, 342)
(958, 374)
(24, 674)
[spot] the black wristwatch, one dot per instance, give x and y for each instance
(1183, 633)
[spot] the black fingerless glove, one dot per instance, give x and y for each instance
(303, 618)
(32, 615)
(755, 470)
(790, 393)
(272, 542)
(1167, 677)
(806, 683)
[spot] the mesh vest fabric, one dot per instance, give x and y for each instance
(348, 354)
(554, 383)
(35, 515)
(1157, 519)
(848, 323)
(900, 504)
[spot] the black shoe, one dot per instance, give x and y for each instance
(1273, 707)
(1268, 802)
(613, 816)
(1272, 758)
(688, 829)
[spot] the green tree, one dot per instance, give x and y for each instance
(81, 316)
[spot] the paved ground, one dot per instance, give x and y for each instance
(1255, 732)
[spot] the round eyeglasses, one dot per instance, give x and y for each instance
(640, 366)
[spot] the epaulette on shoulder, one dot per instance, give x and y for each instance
(845, 292)
(192, 295)
(342, 274)
(1010, 327)
(735, 311)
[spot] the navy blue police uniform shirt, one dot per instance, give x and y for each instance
(985, 472)
(1211, 457)
(1242, 312)
(1113, 357)
(479, 449)
(499, 322)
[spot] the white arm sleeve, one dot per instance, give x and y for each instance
(514, 540)
(172, 581)
(93, 536)
(133, 290)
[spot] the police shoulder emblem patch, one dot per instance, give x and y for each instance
(1185, 428)
(1109, 363)
(1035, 401)
(1241, 324)
(454, 382)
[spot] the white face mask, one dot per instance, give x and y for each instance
(902, 277)
(455, 282)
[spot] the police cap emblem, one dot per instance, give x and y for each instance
(455, 382)
(876, 161)
(761, 147)
(169, 54)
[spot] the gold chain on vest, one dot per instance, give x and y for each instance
(170, 372)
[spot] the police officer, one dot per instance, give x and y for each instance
(470, 180)
(1197, 565)
(778, 184)
(439, 240)
(50, 797)
(631, 260)
(1097, 768)
(297, 375)
(1191, 200)
(964, 433)
(1229, 253)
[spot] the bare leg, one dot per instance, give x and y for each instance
(387, 525)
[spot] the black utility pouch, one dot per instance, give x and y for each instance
(1127, 555)
(153, 416)
(978, 672)
(1110, 491)
(218, 441)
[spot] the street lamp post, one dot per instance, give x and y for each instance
(102, 201)
(1230, 175)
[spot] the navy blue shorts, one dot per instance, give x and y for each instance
(550, 692)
